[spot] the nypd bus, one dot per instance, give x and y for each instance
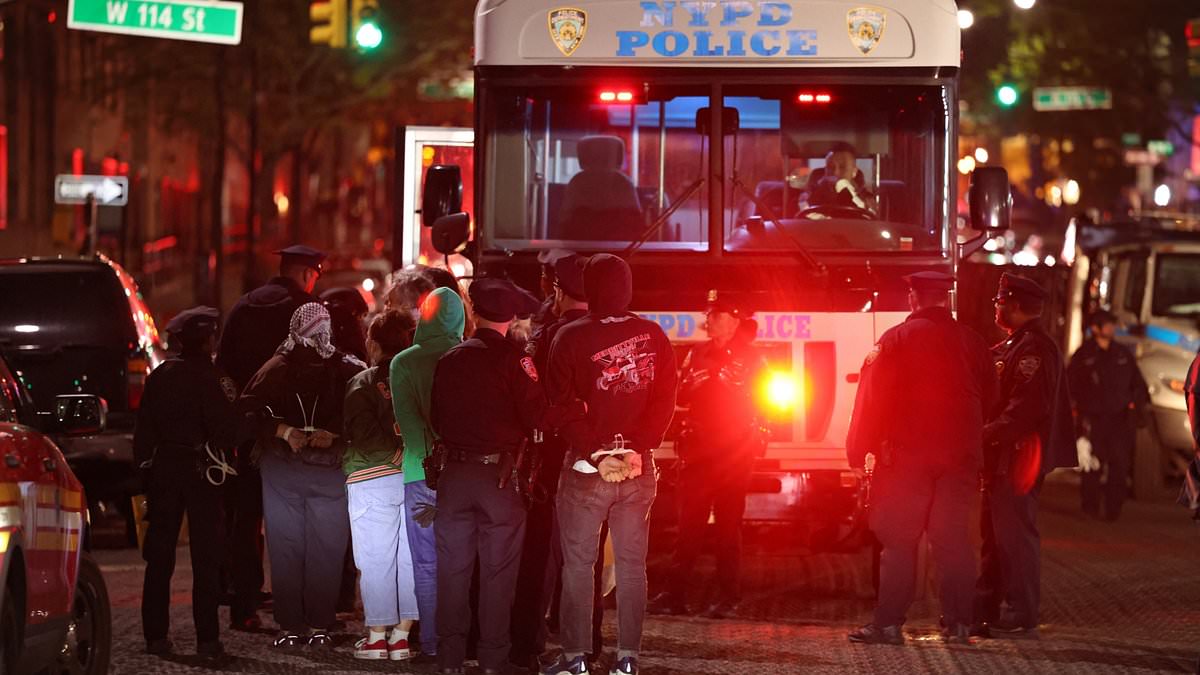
(797, 153)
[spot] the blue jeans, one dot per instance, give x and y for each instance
(381, 552)
(423, 545)
(585, 503)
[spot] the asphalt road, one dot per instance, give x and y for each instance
(1121, 597)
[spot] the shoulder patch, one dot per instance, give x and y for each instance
(1028, 366)
(874, 354)
(529, 368)
(229, 388)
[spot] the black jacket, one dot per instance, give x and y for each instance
(924, 391)
(487, 396)
(1034, 402)
(716, 391)
(257, 325)
(1106, 383)
(187, 403)
(620, 365)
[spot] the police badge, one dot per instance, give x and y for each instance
(866, 26)
(567, 28)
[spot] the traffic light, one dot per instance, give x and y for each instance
(1007, 95)
(364, 24)
(328, 23)
(1193, 41)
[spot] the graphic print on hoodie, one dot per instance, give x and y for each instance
(621, 365)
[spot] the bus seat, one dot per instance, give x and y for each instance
(601, 201)
(770, 192)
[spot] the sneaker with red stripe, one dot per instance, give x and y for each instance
(399, 651)
(371, 651)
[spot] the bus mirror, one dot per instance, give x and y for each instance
(450, 233)
(990, 198)
(730, 121)
(442, 194)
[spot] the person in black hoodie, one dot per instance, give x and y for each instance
(253, 331)
(296, 403)
(623, 368)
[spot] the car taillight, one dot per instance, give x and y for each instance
(136, 370)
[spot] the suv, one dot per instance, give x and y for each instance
(54, 609)
(79, 326)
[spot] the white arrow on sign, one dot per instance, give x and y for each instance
(106, 190)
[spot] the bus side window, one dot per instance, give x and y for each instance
(1135, 289)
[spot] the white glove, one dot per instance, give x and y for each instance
(1087, 461)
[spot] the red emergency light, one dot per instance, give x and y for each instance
(809, 97)
(617, 96)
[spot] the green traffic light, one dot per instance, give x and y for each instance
(368, 36)
(1008, 95)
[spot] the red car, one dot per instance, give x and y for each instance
(54, 611)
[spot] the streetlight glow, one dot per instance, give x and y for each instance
(1162, 196)
(1024, 4)
(981, 155)
(966, 18)
(966, 165)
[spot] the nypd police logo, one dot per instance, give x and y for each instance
(567, 28)
(866, 26)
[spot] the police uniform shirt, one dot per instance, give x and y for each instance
(187, 402)
(487, 396)
(924, 391)
(257, 325)
(717, 389)
(1105, 382)
(1033, 398)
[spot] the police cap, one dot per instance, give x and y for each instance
(500, 300)
(1019, 288)
(568, 274)
(197, 321)
(930, 282)
(300, 254)
(724, 301)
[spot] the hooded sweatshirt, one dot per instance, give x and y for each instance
(411, 374)
(621, 365)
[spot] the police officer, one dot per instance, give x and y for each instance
(1109, 394)
(185, 423)
(720, 440)
(1029, 433)
(925, 389)
(623, 367)
(255, 328)
(486, 401)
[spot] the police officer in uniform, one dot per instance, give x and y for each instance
(1029, 433)
(255, 328)
(1109, 394)
(486, 401)
(925, 389)
(721, 438)
(185, 423)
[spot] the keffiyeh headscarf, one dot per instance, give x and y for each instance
(310, 327)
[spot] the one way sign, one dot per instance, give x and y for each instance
(107, 190)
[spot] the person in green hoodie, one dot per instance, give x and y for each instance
(440, 327)
(375, 492)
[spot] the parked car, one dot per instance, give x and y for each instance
(54, 608)
(80, 326)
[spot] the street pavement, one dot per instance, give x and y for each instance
(1121, 597)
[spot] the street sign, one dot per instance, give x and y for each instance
(1056, 99)
(218, 22)
(1164, 148)
(107, 190)
(1135, 157)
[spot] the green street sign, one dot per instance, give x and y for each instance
(1057, 99)
(1164, 148)
(217, 22)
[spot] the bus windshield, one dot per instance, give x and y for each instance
(829, 168)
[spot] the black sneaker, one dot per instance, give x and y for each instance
(289, 641)
(667, 603)
(871, 634)
(958, 635)
(161, 647)
(625, 666)
(1007, 630)
(576, 666)
(320, 639)
(721, 610)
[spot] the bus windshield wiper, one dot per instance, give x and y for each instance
(662, 219)
(805, 255)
